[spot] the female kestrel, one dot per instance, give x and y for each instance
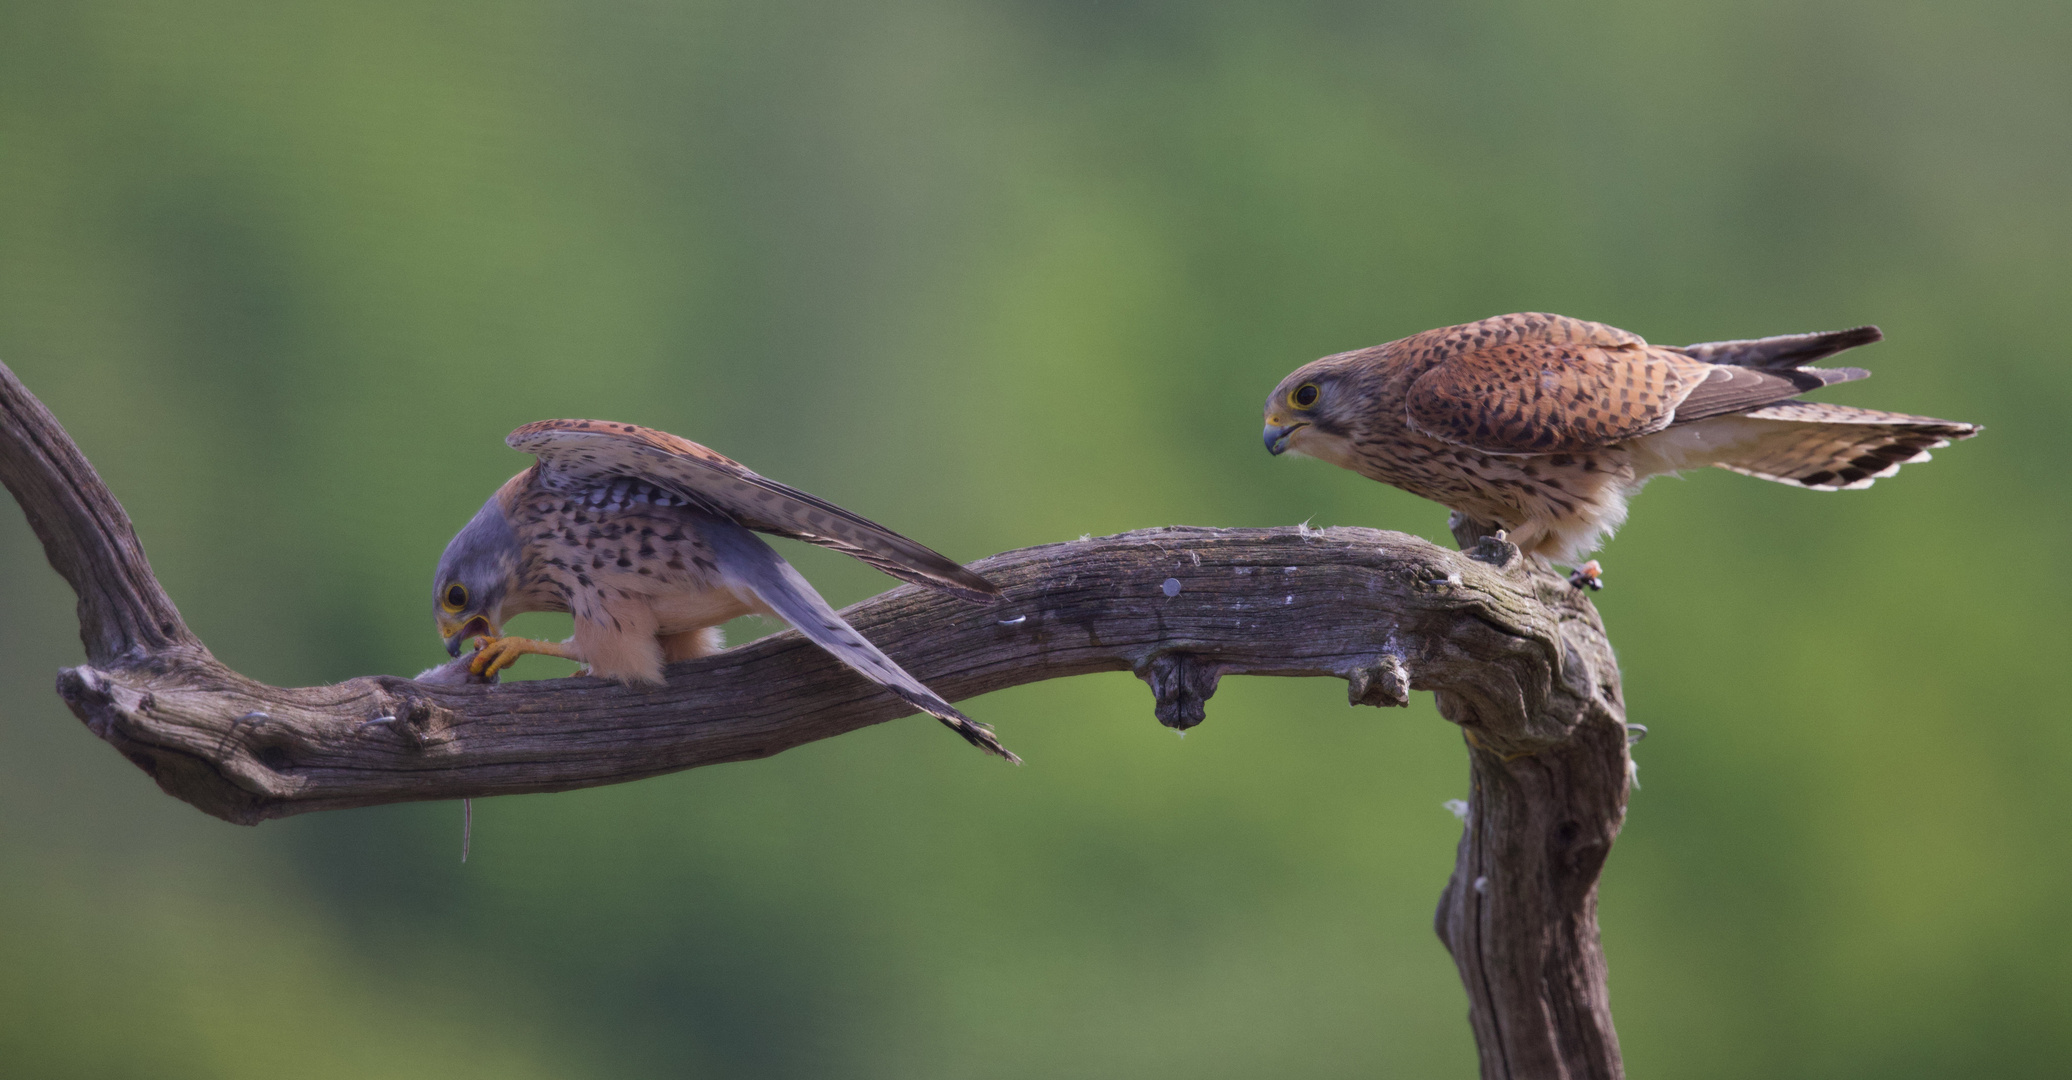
(644, 538)
(1545, 425)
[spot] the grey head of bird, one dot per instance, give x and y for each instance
(1316, 411)
(474, 577)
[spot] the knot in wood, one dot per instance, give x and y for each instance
(1182, 683)
(1385, 682)
(1496, 549)
(403, 707)
(89, 699)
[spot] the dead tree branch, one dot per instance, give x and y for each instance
(1514, 656)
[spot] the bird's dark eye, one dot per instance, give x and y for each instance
(1302, 397)
(456, 596)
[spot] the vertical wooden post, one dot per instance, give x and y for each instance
(1520, 912)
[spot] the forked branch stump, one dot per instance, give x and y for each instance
(1514, 656)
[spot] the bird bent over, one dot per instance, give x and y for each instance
(1544, 425)
(645, 539)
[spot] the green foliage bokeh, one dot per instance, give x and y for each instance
(1002, 274)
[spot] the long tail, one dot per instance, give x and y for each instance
(1835, 447)
(750, 564)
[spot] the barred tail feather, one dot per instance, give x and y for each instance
(1838, 448)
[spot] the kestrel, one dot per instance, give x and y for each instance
(1544, 425)
(644, 538)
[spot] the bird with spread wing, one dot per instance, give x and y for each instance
(1544, 425)
(645, 539)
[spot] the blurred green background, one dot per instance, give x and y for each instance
(997, 275)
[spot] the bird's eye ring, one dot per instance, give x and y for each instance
(456, 597)
(1302, 397)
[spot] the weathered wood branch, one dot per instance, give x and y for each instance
(1514, 655)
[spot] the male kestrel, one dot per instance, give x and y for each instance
(1545, 425)
(644, 538)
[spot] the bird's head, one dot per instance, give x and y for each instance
(1313, 411)
(475, 577)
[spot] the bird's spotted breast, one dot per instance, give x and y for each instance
(589, 550)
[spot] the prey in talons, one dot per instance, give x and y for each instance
(649, 541)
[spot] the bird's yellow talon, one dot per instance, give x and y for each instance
(496, 654)
(493, 657)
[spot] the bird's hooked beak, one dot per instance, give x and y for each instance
(1277, 436)
(457, 634)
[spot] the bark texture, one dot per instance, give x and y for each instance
(1514, 655)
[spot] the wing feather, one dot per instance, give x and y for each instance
(749, 564)
(1545, 397)
(1542, 384)
(1731, 389)
(1785, 351)
(581, 453)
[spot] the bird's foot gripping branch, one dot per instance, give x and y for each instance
(1511, 652)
